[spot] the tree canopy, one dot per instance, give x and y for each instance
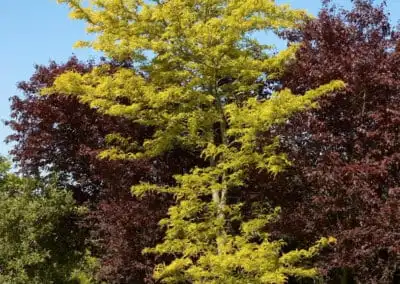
(195, 152)
(346, 155)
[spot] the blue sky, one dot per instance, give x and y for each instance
(34, 32)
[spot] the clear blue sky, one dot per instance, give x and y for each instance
(34, 32)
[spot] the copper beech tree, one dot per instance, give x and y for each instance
(345, 178)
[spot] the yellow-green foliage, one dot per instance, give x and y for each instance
(182, 51)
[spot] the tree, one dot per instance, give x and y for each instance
(39, 240)
(196, 80)
(345, 176)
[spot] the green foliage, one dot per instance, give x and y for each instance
(84, 272)
(196, 78)
(37, 244)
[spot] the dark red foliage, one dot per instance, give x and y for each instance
(345, 180)
(57, 133)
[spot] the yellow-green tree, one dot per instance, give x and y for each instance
(195, 74)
